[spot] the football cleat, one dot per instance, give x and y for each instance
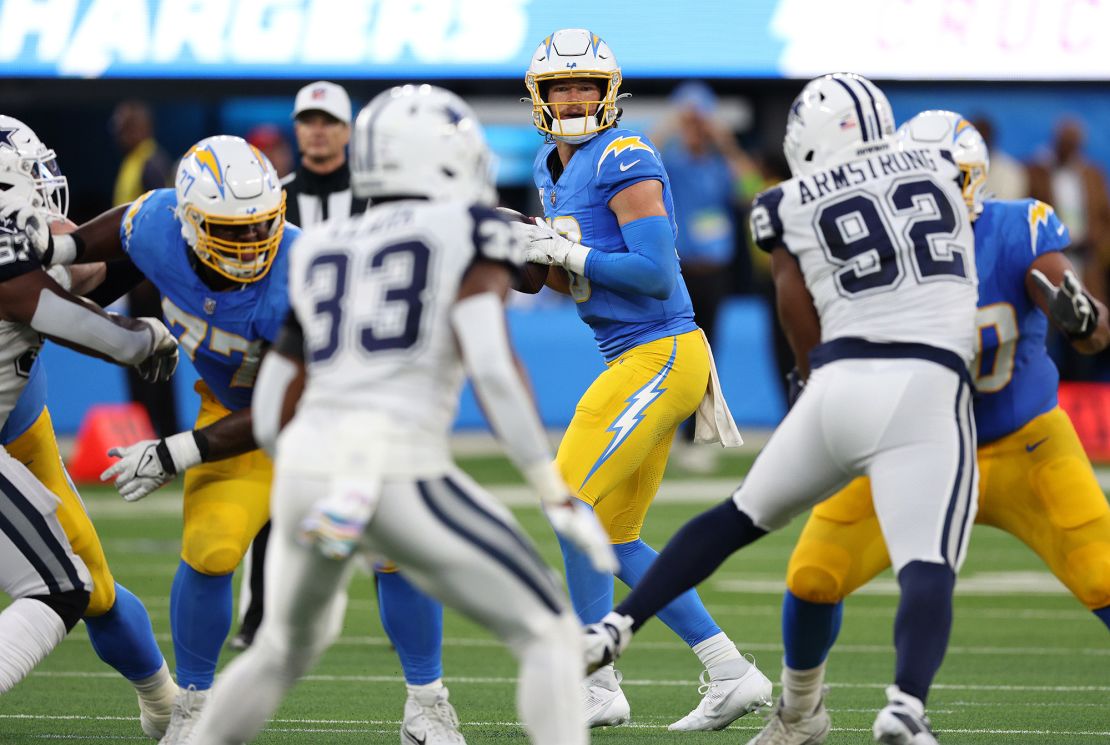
(605, 703)
(430, 719)
(902, 721)
(785, 727)
(186, 713)
(605, 640)
(726, 700)
(156, 704)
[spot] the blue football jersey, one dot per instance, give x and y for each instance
(222, 332)
(577, 205)
(1015, 378)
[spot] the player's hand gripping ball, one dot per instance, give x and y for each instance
(532, 276)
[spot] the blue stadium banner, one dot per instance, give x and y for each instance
(428, 39)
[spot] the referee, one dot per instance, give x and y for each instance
(318, 190)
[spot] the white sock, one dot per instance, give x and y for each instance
(29, 630)
(549, 696)
(425, 688)
(721, 658)
(153, 683)
(801, 689)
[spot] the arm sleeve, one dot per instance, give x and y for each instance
(765, 222)
(649, 268)
(274, 377)
(72, 322)
(479, 325)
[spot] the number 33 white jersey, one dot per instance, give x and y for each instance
(884, 244)
(373, 294)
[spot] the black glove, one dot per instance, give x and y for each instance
(1068, 305)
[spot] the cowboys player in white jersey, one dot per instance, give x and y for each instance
(873, 260)
(388, 309)
(49, 583)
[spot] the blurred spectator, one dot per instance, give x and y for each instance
(145, 167)
(1007, 178)
(272, 143)
(1076, 188)
(320, 188)
(705, 165)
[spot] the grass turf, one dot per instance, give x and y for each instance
(1027, 664)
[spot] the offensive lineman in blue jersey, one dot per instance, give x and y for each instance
(609, 243)
(1036, 482)
(216, 247)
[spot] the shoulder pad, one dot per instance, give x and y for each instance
(493, 238)
(765, 222)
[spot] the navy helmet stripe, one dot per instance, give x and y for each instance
(874, 107)
(859, 108)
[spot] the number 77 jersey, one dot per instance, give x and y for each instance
(223, 333)
(884, 244)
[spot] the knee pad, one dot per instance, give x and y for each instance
(214, 557)
(1089, 567)
(818, 572)
(70, 606)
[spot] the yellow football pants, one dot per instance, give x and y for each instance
(38, 450)
(615, 449)
(1036, 484)
(226, 502)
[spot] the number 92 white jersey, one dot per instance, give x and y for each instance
(373, 294)
(885, 246)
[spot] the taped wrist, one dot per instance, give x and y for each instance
(180, 452)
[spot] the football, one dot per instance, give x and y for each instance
(532, 276)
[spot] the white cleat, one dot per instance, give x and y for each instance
(605, 703)
(789, 728)
(604, 641)
(726, 700)
(186, 713)
(430, 719)
(902, 721)
(156, 704)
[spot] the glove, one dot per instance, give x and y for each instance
(147, 465)
(576, 523)
(605, 640)
(1068, 305)
(542, 245)
(162, 361)
(32, 222)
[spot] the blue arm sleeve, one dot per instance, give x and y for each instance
(649, 268)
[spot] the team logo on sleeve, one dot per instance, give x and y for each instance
(1039, 213)
(620, 145)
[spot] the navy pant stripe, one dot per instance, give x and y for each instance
(38, 522)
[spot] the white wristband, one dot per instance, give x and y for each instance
(576, 259)
(65, 250)
(545, 479)
(183, 450)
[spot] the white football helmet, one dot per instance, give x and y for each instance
(231, 207)
(950, 131)
(832, 120)
(421, 141)
(39, 162)
(568, 54)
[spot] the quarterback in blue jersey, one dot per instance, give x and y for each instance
(609, 242)
(1036, 482)
(216, 247)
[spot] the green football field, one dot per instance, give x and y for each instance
(1027, 663)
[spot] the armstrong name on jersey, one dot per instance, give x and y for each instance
(886, 232)
(1015, 378)
(577, 205)
(223, 333)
